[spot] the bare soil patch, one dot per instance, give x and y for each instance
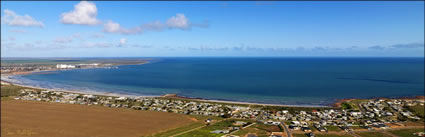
(32, 118)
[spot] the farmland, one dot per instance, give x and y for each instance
(30, 118)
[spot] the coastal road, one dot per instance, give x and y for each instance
(282, 123)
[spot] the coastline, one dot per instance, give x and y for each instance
(7, 79)
(170, 96)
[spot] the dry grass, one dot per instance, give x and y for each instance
(31, 118)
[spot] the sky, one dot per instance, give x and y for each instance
(212, 29)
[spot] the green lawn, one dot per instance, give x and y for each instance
(332, 135)
(206, 131)
(259, 129)
(179, 130)
(333, 128)
(418, 110)
(346, 105)
(407, 132)
(253, 129)
(199, 123)
(11, 90)
(358, 127)
(299, 135)
(371, 134)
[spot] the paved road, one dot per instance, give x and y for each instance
(286, 128)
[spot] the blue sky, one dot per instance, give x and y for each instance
(138, 28)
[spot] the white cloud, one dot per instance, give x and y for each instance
(176, 22)
(18, 31)
(113, 27)
(63, 40)
(68, 39)
(156, 25)
(13, 19)
(179, 22)
(7, 44)
(123, 41)
(84, 13)
(12, 38)
(97, 45)
(97, 35)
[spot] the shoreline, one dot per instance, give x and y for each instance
(166, 96)
(170, 96)
(5, 78)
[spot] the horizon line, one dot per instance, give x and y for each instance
(233, 57)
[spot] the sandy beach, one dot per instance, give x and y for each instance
(8, 79)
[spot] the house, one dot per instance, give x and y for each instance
(234, 128)
(322, 129)
(294, 127)
(296, 123)
(208, 120)
(311, 134)
(277, 134)
(272, 123)
(306, 129)
(346, 129)
(220, 131)
(239, 123)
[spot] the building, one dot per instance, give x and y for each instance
(64, 66)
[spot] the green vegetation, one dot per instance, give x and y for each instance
(200, 122)
(371, 134)
(332, 135)
(202, 118)
(179, 130)
(358, 127)
(299, 135)
(418, 110)
(259, 129)
(407, 132)
(10, 90)
(206, 131)
(333, 128)
(346, 105)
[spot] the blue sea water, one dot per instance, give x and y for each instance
(290, 81)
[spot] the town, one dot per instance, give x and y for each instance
(372, 114)
(19, 68)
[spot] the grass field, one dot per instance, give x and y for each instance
(206, 131)
(179, 130)
(299, 135)
(407, 132)
(333, 128)
(258, 129)
(323, 135)
(372, 134)
(32, 118)
(198, 123)
(418, 110)
(10, 90)
(332, 135)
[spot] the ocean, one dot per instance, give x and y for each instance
(288, 81)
